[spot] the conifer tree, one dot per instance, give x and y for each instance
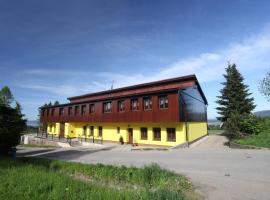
(235, 96)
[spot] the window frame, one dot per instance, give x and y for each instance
(144, 132)
(70, 110)
(83, 110)
(91, 131)
(91, 108)
(169, 138)
(100, 134)
(154, 132)
(76, 110)
(61, 111)
(131, 104)
(118, 130)
(52, 111)
(121, 109)
(105, 107)
(145, 100)
(165, 98)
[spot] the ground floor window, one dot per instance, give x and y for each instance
(91, 130)
(100, 131)
(143, 133)
(171, 136)
(118, 130)
(157, 134)
(84, 130)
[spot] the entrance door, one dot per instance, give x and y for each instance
(130, 135)
(62, 130)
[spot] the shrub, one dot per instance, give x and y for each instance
(250, 124)
(232, 126)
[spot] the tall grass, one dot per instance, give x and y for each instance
(31, 178)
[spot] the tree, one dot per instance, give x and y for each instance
(56, 103)
(264, 86)
(235, 97)
(11, 126)
(50, 104)
(6, 96)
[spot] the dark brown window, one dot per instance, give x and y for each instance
(156, 134)
(83, 109)
(61, 111)
(52, 112)
(69, 110)
(163, 102)
(147, 103)
(48, 111)
(91, 108)
(100, 131)
(107, 107)
(121, 106)
(76, 110)
(134, 104)
(91, 130)
(143, 133)
(118, 130)
(84, 130)
(171, 136)
(43, 112)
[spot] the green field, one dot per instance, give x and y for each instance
(31, 178)
(261, 140)
(215, 132)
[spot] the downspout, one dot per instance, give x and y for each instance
(185, 114)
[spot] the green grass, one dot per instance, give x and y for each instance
(260, 140)
(215, 132)
(32, 178)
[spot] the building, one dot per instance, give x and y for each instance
(169, 112)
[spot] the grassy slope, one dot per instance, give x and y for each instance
(261, 140)
(30, 178)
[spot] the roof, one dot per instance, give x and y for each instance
(149, 84)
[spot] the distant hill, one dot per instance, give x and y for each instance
(263, 113)
(33, 123)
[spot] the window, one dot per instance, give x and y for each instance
(100, 131)
(147, 103)
(50, 128)
(76, 110)
(163, 102)
(83, 110)
(134, 104)
(52, 112)
(156, 134)
(43, 112)
(121, 106)
(91, 130)
(171, 136)
(118, 130)
(84, 130)
(69, 110)
(107, 107)
(143, 133)
(91, 108)
(48, 111)
(61, 111)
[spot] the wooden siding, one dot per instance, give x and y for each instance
(171, 114)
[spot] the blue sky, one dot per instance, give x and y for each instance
(50, 50)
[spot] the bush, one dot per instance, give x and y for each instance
(250, 124)
(232, 126)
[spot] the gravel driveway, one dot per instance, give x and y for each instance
(219, 173)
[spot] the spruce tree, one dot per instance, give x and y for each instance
(235, 96)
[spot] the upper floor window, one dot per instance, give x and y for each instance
(134, 104)
(157, 134)
(107, 107)
(69, 110)
(171, 136)
(121, 106)
(76, 110)
(48, 111)
(52, 112)
(61, 111)
(163, 102)
(83, 109)
(91, 108)
(43, 112)
(147, 103)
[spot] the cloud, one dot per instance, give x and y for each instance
(249, 54)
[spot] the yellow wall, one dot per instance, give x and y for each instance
(109, 131)
(196, 130)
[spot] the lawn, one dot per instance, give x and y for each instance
(32, 178)
(261, 140)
